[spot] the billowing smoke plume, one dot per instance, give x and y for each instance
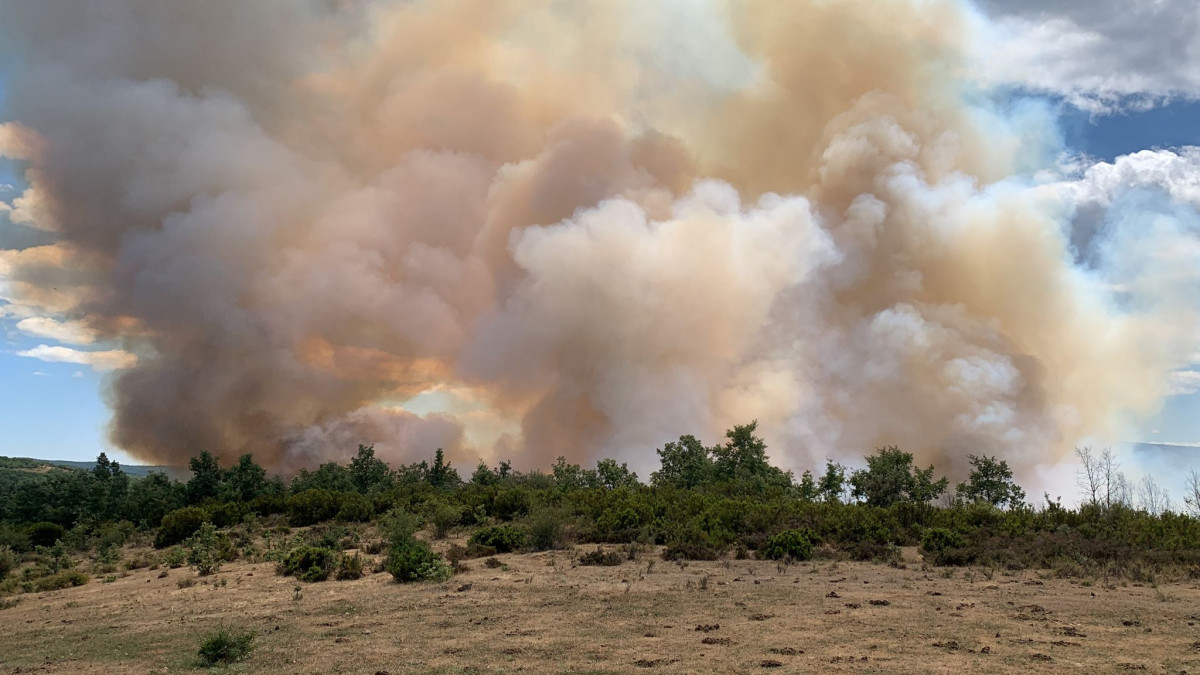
(530, 229)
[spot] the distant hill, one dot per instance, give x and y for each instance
(32, 465)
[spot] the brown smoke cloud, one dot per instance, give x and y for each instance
(560, 229)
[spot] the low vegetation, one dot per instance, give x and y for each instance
(59, 528)
(225, 647)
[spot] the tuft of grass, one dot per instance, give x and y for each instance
(225, 646)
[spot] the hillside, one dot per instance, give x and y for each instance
(34, 465)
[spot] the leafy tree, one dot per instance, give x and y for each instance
(808, 487)
(890, 477)
(570, 477)
(613, 475)
(153, 497)
(484, 476)
(744, 457)
(832, 482)
(991, 481)
(243, 481)
(367, 472)
(109, 488)
(330, 476)
(441, 474)
(685, 464)
(206, 478)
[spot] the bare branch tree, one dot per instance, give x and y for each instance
(1191, 496)
(1088, 475)
(1152, 498)
(1111, 478)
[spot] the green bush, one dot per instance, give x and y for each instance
(602, 558)
(175, 558)
(308, 563)
(178, 525)
(444, 517)
(66, 579)
(312, 506)
(546, 530)
(204, 550)
(794, 544)
(355, 508)
(945, 547)
(45, 534)
(8, 561)
(225, 647)
(412, 560)
(349, 567)
(500, 538)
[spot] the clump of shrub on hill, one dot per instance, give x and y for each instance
(178, 525)
(308, 563)
(498, 539)
(225, 647)
(789, 544)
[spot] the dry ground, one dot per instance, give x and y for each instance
(544, 615)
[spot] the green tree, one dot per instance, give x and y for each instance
(832, 482)
(243, 481)
(685, 464)
(153, 497)
(991, 481)
(441, 474)
(109, 488)
(613, 475)
(206, 478)
(808, 487)
(890, 477)
(368, 472)
(573, 476)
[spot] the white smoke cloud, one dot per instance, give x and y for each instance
(553, 210)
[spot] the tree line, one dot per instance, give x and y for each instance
(702, 502)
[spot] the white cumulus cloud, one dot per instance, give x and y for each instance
(113, 359)
(71, 332)
(1101, 55)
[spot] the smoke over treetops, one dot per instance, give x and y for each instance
(531, 229)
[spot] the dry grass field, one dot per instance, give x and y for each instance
(542, 613)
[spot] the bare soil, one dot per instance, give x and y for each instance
(542, 613)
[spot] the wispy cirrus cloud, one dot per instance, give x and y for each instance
(112, 359)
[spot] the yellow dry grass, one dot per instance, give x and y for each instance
(544, 614)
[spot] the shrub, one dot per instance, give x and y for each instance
(225, 647)
(54, 582)
(601, 557)
(546, 530)
(308, 563)
(945, 547)
(8, 561)
(226, 514)
(203, 550)
(500, 538)
(45, 534)
(444, 517)
(178, 525)
(175, 558)
(794, 544)
(312, 506)
(349, 567)
(412, 560)
(355, 508)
